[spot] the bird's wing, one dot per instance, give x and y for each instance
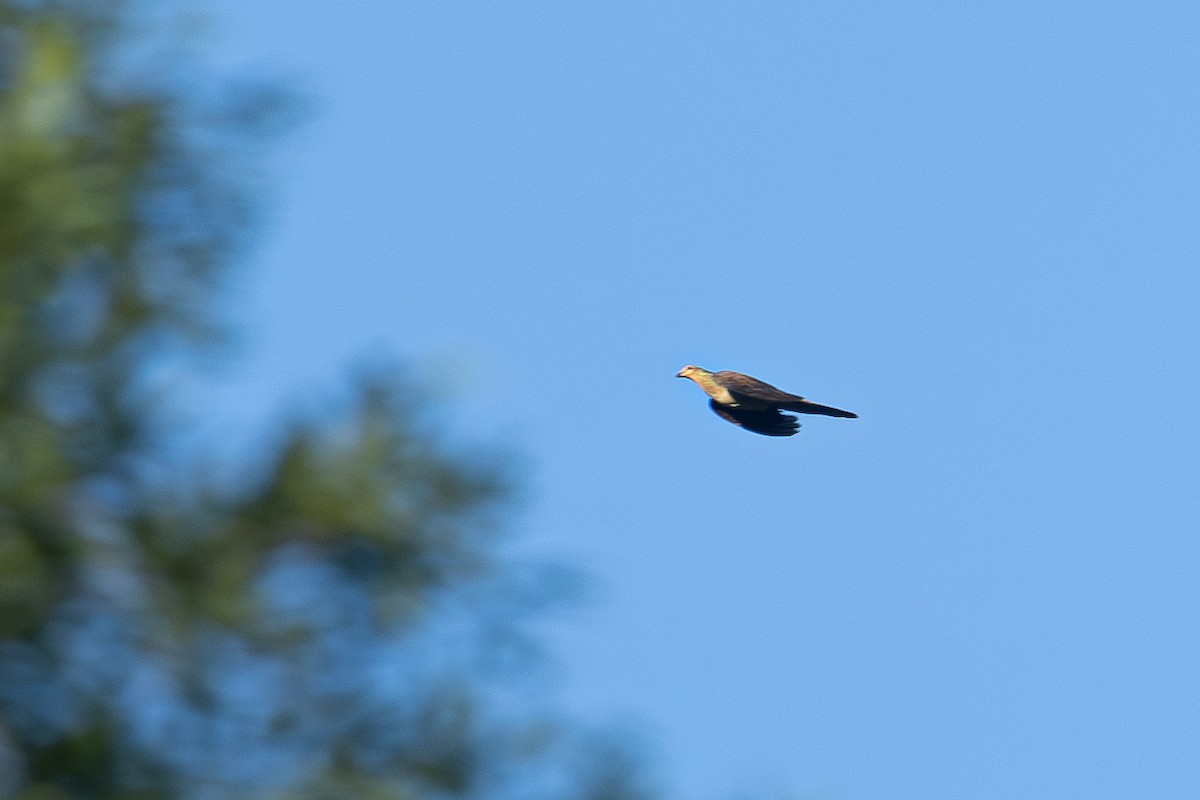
(759, 393)
(768, 423)
(753, 388)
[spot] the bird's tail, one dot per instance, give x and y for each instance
(806, 407)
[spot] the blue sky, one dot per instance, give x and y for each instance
(973, 224)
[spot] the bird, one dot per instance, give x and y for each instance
(751, 404)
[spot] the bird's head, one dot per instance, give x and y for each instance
(692, 372)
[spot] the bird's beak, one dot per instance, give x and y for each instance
(680, 374)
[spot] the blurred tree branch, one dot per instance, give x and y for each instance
(324, 631)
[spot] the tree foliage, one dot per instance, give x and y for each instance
(338, 626)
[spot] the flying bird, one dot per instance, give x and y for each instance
(751, 404)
